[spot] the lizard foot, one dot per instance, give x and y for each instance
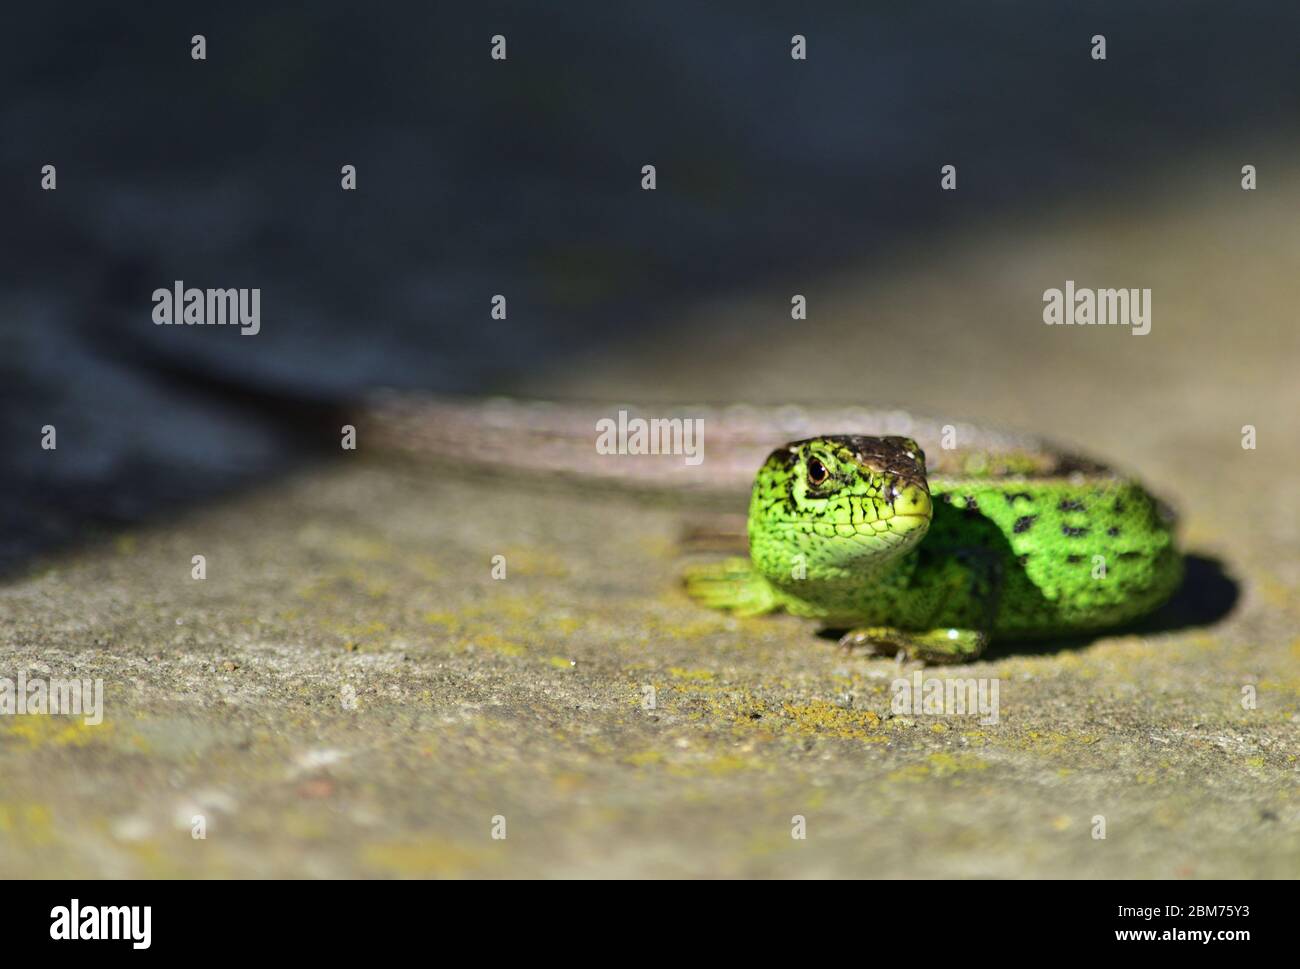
(928, 646)
(731, 584)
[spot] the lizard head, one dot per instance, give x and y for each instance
(837, 506)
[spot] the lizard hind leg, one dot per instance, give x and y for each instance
(732, 585)
(931, 646)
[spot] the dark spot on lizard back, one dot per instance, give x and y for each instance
(1074, 559)
(1024, 523)
(1113, 532)
(1071, 532)
(1010, 497)
(1070, 505)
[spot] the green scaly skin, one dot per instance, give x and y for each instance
(848, 530)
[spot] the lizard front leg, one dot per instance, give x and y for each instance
(963, 587)
(731, 585)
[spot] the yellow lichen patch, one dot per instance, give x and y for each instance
(1051, 741)
(510, 608)
(506, 624)
(714, 767)
(940, 764)
(1169, 816)
(418, 859)
(694, 629)
(355, 634)
(303, 825)
(1274, 593)
(819, 717)
(1279, 686)
(770, 843)
(561, 663)
(680, 673)
(156, 860)
(27, 823)
(428, 567)
(447, 620)
(1118, 647)
(568, 782)
(644, 758)
(498, 644)
(362, 547)
(733, 706)
(1069, 661)
(659, 546)
(344, 582)
(524, 560)
(40, 730)
(564, 625)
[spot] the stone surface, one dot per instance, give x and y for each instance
(350, 692)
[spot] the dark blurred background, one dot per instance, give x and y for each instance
(521, 177)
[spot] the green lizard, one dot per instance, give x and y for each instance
(1004, 535)
(849, 530)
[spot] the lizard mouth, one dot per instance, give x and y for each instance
(875, 524)
(900, 533)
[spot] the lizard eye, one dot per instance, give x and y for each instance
(817, 473)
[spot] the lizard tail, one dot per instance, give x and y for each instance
(559, 439)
